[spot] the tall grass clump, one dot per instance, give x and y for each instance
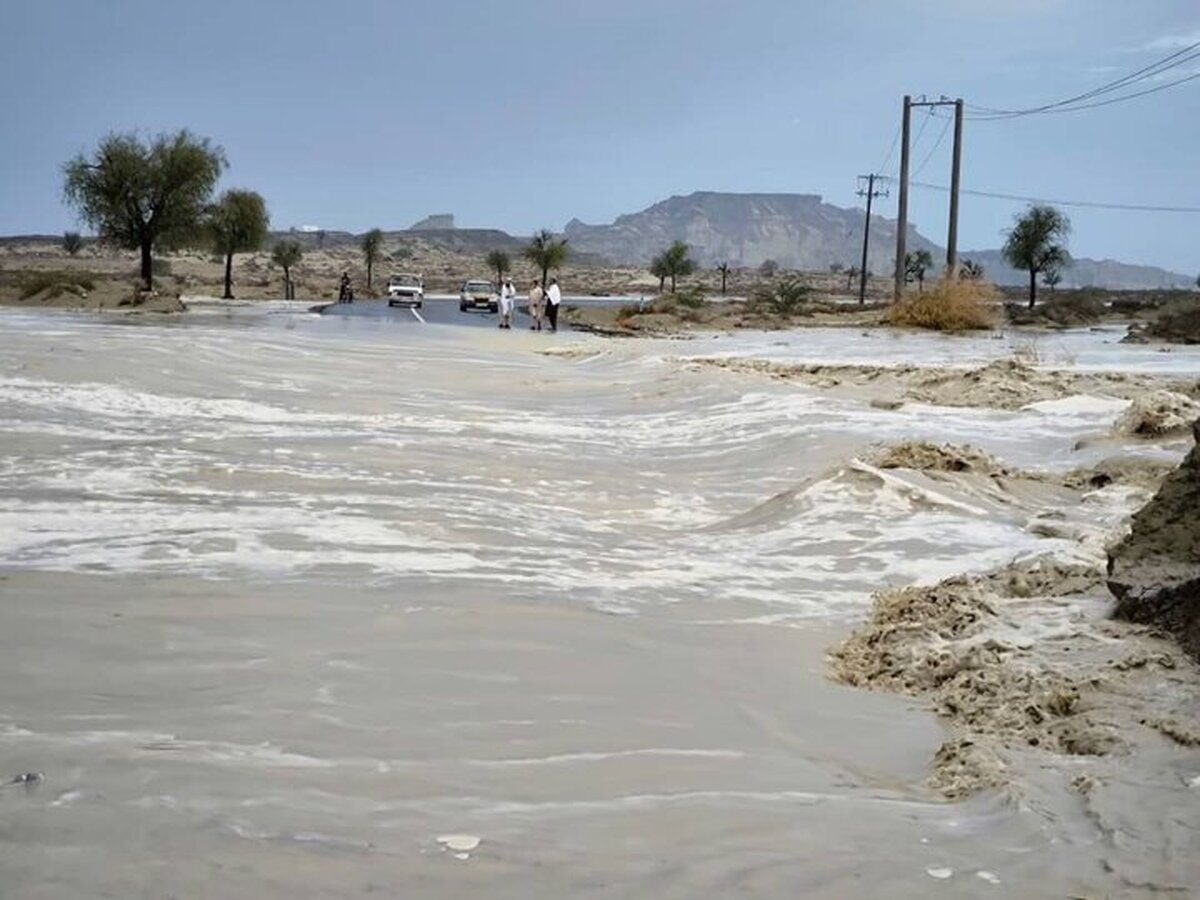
(950, 305)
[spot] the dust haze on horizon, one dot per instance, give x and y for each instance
(377, 114)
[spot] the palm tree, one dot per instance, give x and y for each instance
(546, 253)
(1037, 243)
(499, 262)
(677, 262)
(372, 248)
(286, 254)
(723, 268)
(915, 265)
(971, 270)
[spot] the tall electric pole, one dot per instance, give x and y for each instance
(902, 204)
(870, 193)
(955, 178)
(902, 211)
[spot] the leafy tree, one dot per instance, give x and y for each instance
(971, 270)
(499, 262)
(72, 242)
(677, 262)
(237, 223)
(287, 254)
(658, 268)
(546, 253)
(768, 268)
(915, 266)
(852, 273)
(372, 248)
(320, 238)
(835, 268)
(139, 195)
(1051, 278)
(1037, 243)
(723, 268)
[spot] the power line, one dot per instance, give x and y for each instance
(932, 150)
(891, 150)
(1087, 204)
(1070, 104)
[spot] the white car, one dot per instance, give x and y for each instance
(406, 289)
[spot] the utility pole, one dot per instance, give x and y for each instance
(955, 178)
(902, 211)
(902, 205)
(870, 193)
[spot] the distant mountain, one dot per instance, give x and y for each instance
(800, 231)
(438, 222)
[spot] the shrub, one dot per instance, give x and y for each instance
(72, 242)
(785, 297)
(55, 283)
(692, 298)
(950, 305)
(1082, 308)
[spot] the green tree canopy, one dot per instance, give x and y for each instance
(237, 223)
(1037, 242)
(372, 248)
(72, 242)
(286, 254)
(499, 262)
(971, 270)
(139, 194)
(546, 252)
(676, 262)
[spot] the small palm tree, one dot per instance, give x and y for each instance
(1037, 243)
(72, 242)
(971, 270)
(915, 266)
(287, 254)
(547, 253)
(372, 248)
(723, 268)
(499, 262)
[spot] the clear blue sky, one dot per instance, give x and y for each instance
(526, 113)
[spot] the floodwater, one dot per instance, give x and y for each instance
(295, 606)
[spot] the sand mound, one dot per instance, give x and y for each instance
(946, 643)
(924, 456)
(1159, 414)
(1001, 384)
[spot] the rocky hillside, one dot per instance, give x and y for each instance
(799, 231)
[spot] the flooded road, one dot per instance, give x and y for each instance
(310, 606)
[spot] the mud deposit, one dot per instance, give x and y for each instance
(301, 606)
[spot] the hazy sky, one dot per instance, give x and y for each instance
(523, 114)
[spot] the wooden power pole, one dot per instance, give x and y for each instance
(870, 193)
(902, 203)
(955, 178)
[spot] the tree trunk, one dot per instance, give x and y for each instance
(545, 276)
(228, 277)
(147, 268)
(723, 276)
(1032, 287)
(672, 282)
(370, 265)
(287, 284)
(662, 279)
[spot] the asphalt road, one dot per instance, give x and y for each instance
(443, 310)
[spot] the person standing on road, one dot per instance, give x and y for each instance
(537, 305)
(508, 299)
(553, 299)
(345, 291)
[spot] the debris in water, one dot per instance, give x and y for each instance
(941, 873)
(462, 843)
(989, 877)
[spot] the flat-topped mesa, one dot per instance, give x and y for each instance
(1155, 572)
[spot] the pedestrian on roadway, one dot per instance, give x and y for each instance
(508, 299)
(553, 300)
(537, 305)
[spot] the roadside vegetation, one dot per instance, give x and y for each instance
(950, 305)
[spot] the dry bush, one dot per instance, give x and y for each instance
(950, 305)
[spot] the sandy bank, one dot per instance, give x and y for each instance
(1003, 384)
